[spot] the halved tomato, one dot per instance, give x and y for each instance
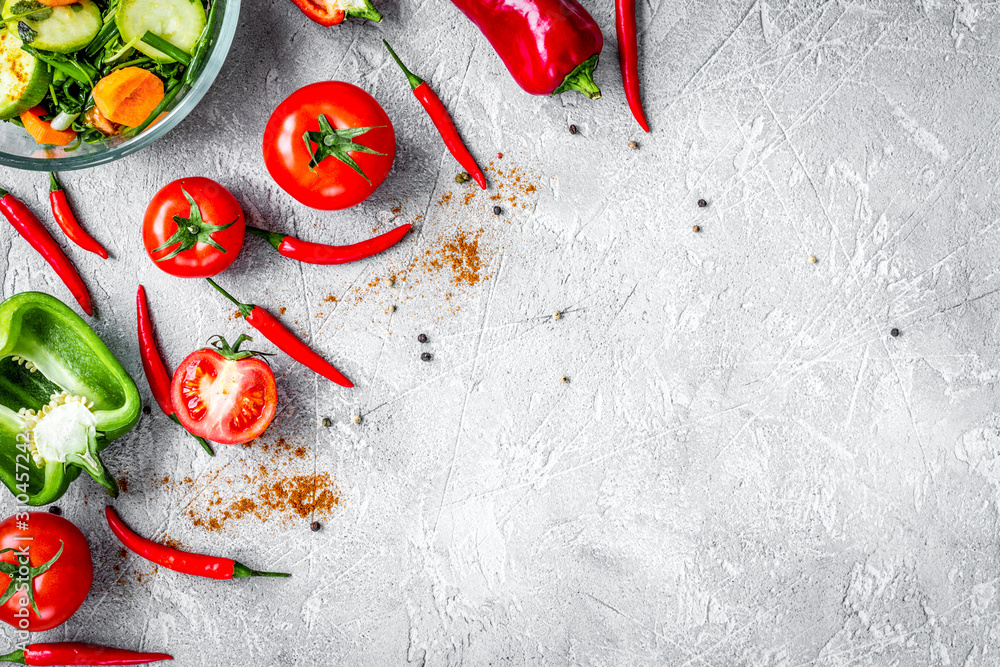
(225, 395)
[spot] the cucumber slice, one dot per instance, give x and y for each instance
(24, 79)
(180, 22)
(69, 28)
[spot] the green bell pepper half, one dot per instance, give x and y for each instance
(46, 353)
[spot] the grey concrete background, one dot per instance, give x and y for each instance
(745, 468)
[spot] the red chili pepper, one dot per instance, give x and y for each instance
(442, 120)
(549, 46)
(77, 653)
(276, 332)
(34, 232)
(67, 221)
(318, 253)
(153, 366)
(628, 57)
(199, 565)
(332, 12)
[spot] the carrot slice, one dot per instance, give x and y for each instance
(127, 96)
(57, 3)
(42, 130)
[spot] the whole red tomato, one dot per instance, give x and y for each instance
(225, 395)
(329, 145)
(193, 228)
(59, 581)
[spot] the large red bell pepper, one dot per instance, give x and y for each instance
(549, 46)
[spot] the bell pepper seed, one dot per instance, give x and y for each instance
(356, 419)
(557, 315)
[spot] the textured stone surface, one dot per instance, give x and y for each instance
(745, 467)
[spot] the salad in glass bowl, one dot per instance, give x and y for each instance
(78, 72)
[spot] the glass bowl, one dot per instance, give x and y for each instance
(19, 150)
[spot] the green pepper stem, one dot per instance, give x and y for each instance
(240, 571)
(414, 80)
(274, 238)
(14, 656)
(245, 308)
(367, 12)
(581, 79)
(53, 183)
(3, 193)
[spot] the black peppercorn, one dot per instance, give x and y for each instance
(702, 203)
(146, 410)
(314, 526)
(426, 356)
(422, 338)
(894, 333)
(497, 210)
(572, 129)
(55, 510)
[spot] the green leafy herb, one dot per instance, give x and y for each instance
(29, 9)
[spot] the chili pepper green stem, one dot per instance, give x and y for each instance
(14, 656)
(53, 183)
(240, 571)
(245, 308)
(201, 441)
(581, 79)
(3, 193)
(414, 80)
(273, 238)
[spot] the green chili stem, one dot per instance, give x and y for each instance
(240, 570)
(414, 80)
(273, 238)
